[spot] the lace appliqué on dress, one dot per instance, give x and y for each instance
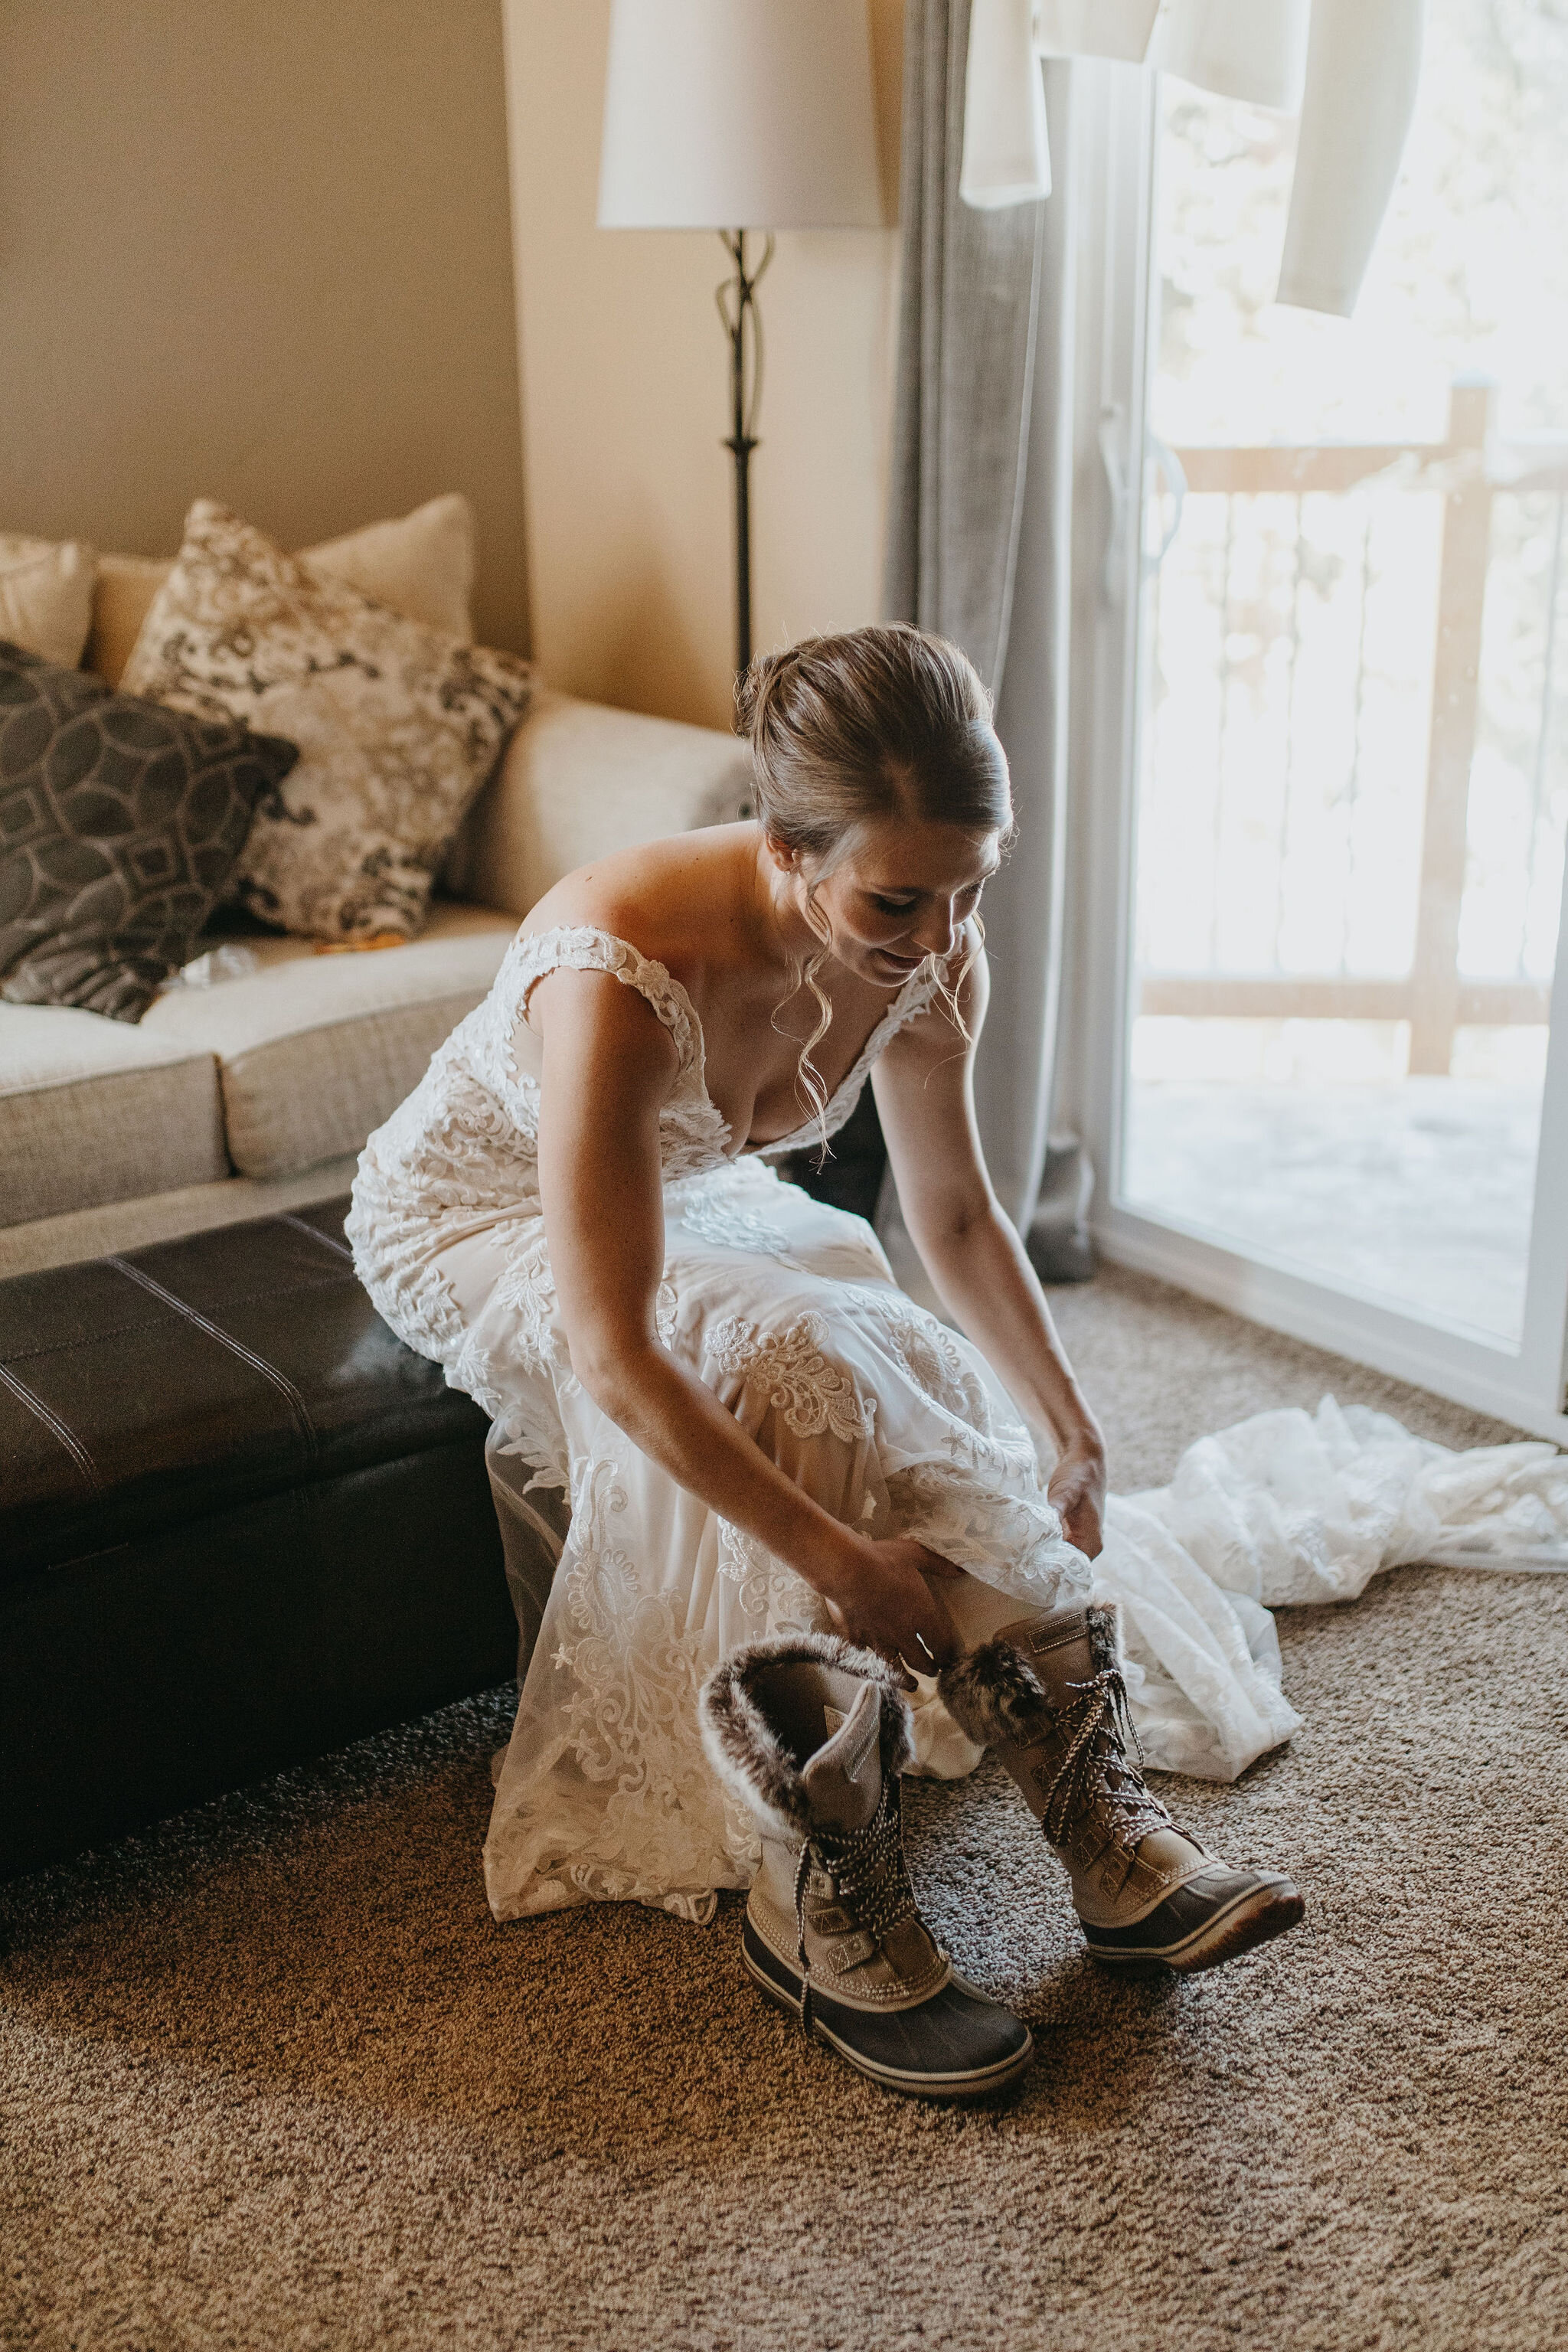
(724, 1223)
(741, 1556)
(631, 1675)
(800, 1378)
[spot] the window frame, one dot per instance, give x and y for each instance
(1117, 119)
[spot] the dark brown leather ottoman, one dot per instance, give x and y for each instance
(240, 1524)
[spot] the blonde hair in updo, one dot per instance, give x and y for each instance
(849, 730)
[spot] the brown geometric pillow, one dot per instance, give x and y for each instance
(398, 725)
(121, 825)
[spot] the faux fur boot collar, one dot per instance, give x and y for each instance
(996, 1696)
(748, 1754)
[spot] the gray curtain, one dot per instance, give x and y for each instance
(979, 551)
(965, 365)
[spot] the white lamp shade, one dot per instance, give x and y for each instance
(739, 114)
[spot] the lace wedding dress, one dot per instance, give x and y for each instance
(786, 1309)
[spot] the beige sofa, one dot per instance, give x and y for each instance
(256, 1092)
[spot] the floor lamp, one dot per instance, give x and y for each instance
(743, 116)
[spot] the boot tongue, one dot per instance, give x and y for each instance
(844, 1779)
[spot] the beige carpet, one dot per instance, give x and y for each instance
(270, 2076)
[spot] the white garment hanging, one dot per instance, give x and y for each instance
(1350, 68)
(1006, 145)
(1363, 63)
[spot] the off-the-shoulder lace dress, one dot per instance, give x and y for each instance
(788, 1309)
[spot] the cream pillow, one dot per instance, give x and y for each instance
(397, 725)
(46, 596)
(422, 564)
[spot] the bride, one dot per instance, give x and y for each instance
(763, 1440)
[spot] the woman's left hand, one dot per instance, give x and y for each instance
(1077, 1489)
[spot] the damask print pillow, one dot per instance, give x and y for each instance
(422, 564)
(121, 825)
(398, 725)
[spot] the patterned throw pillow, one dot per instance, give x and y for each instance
(119, 826)
(398, 725)
(422, 564)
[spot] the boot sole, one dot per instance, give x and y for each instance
(959, 2090)
(1250, 1920)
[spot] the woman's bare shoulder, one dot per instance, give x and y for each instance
(667, 898)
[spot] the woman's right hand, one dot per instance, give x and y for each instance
(884, 1602)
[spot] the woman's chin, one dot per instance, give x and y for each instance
(881, 966)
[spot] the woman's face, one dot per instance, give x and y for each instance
(903, 892)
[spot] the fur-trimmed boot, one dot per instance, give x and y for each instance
(812, 1734)
(1046, 1695)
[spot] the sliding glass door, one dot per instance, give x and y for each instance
(1334, 797)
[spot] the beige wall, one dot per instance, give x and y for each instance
(625, 390)
(258, 249)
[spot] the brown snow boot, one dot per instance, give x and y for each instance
(1047, 1694)
(812, 1734)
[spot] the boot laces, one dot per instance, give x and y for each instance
(1095, 1766)
(872, 1877)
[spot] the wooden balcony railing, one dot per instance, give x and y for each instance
(1469, 467)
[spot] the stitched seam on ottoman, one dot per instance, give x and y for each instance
(55, 1425)
(93, 1339)
(119, 1330)
(279, 1380)
(328, 1279)
(340, 1249)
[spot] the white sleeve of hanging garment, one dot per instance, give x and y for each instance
(1364, 60)
(1007, 153)
(1095, 28)
(1251, 49)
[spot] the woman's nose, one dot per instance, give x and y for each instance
(937, 935)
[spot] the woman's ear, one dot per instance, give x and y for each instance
(786, 859)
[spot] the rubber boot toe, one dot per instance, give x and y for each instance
(955, 2045)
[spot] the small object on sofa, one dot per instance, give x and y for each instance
(398, 725)
(46, 596)
(360, 947)
(121, 825)
(422, 564)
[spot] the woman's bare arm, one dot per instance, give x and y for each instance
(925, 1098)
(609, 1067)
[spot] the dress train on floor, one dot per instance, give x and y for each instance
(1289, 1508)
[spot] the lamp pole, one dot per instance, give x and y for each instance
(737, 304)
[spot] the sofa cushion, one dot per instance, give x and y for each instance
(94, 1110)
(421, 564)
(313, 1051)
(579, 779)
(397, 725)
(119, 826)
(46, 596)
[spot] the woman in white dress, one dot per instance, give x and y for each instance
(573, 1214)
(758, 1433)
